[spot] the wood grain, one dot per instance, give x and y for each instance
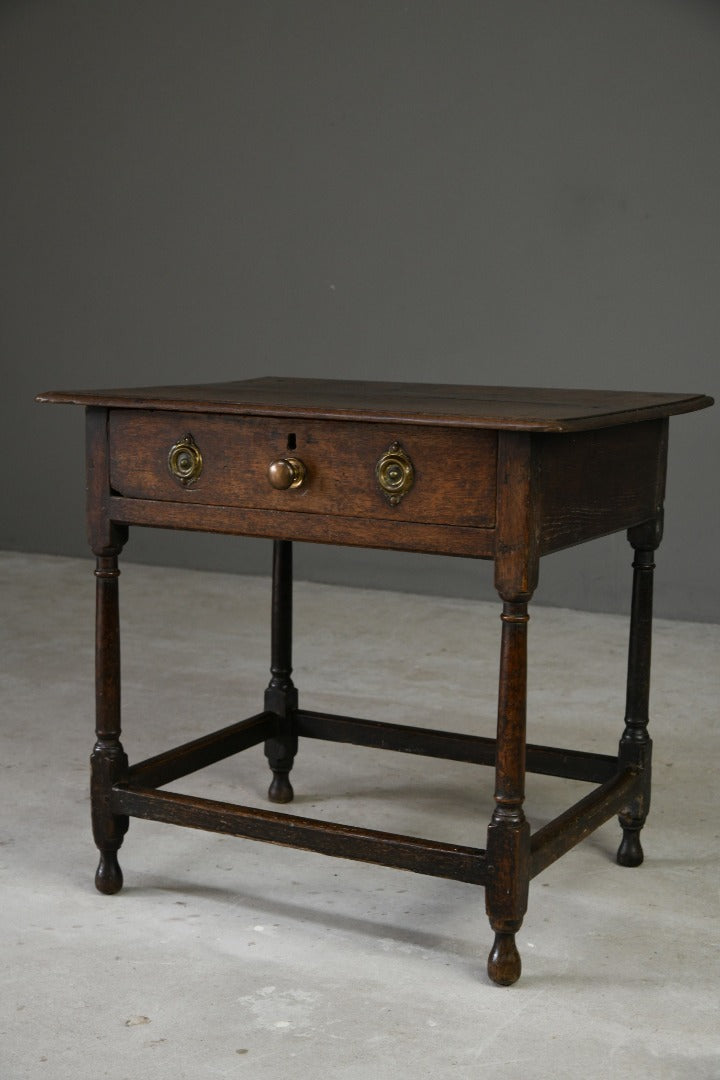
(454, 470)
(312, 528)
(452, 746)
(328, 838)
(580, 820)
(497, 407)
(501, 473)
(596, 482)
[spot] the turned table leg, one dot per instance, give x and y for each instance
(508, 843)
(635, 744)
(108, 762)
(281, 696)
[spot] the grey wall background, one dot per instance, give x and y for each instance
(513, 192)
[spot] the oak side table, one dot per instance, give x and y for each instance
(495, 473)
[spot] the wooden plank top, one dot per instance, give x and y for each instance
(498, 407)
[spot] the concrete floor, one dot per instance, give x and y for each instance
(228, 958)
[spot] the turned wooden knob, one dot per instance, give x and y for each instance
(286, 473)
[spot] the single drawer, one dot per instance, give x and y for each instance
(449, 473)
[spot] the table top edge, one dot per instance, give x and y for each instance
(498, 408)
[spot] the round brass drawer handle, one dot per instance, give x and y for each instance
(286, 473)
(395, 473)
(185, 461)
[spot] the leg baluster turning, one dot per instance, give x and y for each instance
(635, 744)
(108, 762)
(508, 844)
(281, 696)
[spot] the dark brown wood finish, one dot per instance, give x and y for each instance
(451, 745)
(327, 838)
(636, 744)
(588, 489)
(312, 528)
(580, 820)
(199, 753)
(281, 698)
(508, 843)
(454, 469)
(499, 473)
(516, 576)
(495, 407)
(108, 762)
(519, 502)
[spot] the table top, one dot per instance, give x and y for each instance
(498, 407)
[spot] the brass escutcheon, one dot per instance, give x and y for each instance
(286, 473)
(185, 461)
(395, 473)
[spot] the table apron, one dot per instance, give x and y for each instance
(312, 528)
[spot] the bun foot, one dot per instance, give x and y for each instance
(630, 852)
(108, 876)
(504, 964)
(281, 790)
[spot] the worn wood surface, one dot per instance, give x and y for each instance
(508, 843)
(328, 838)
(281, 697)
(517, 551)
(312, 528)
(105, 536)
(580, 820)
(497, 407)
(451, 746)
(597, 482)
(454, 470)
(501, 473)
(108, 762)
(199, 753)
(636, 745)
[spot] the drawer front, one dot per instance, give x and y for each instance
(453, 469)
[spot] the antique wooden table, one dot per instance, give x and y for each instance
(486, 472)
